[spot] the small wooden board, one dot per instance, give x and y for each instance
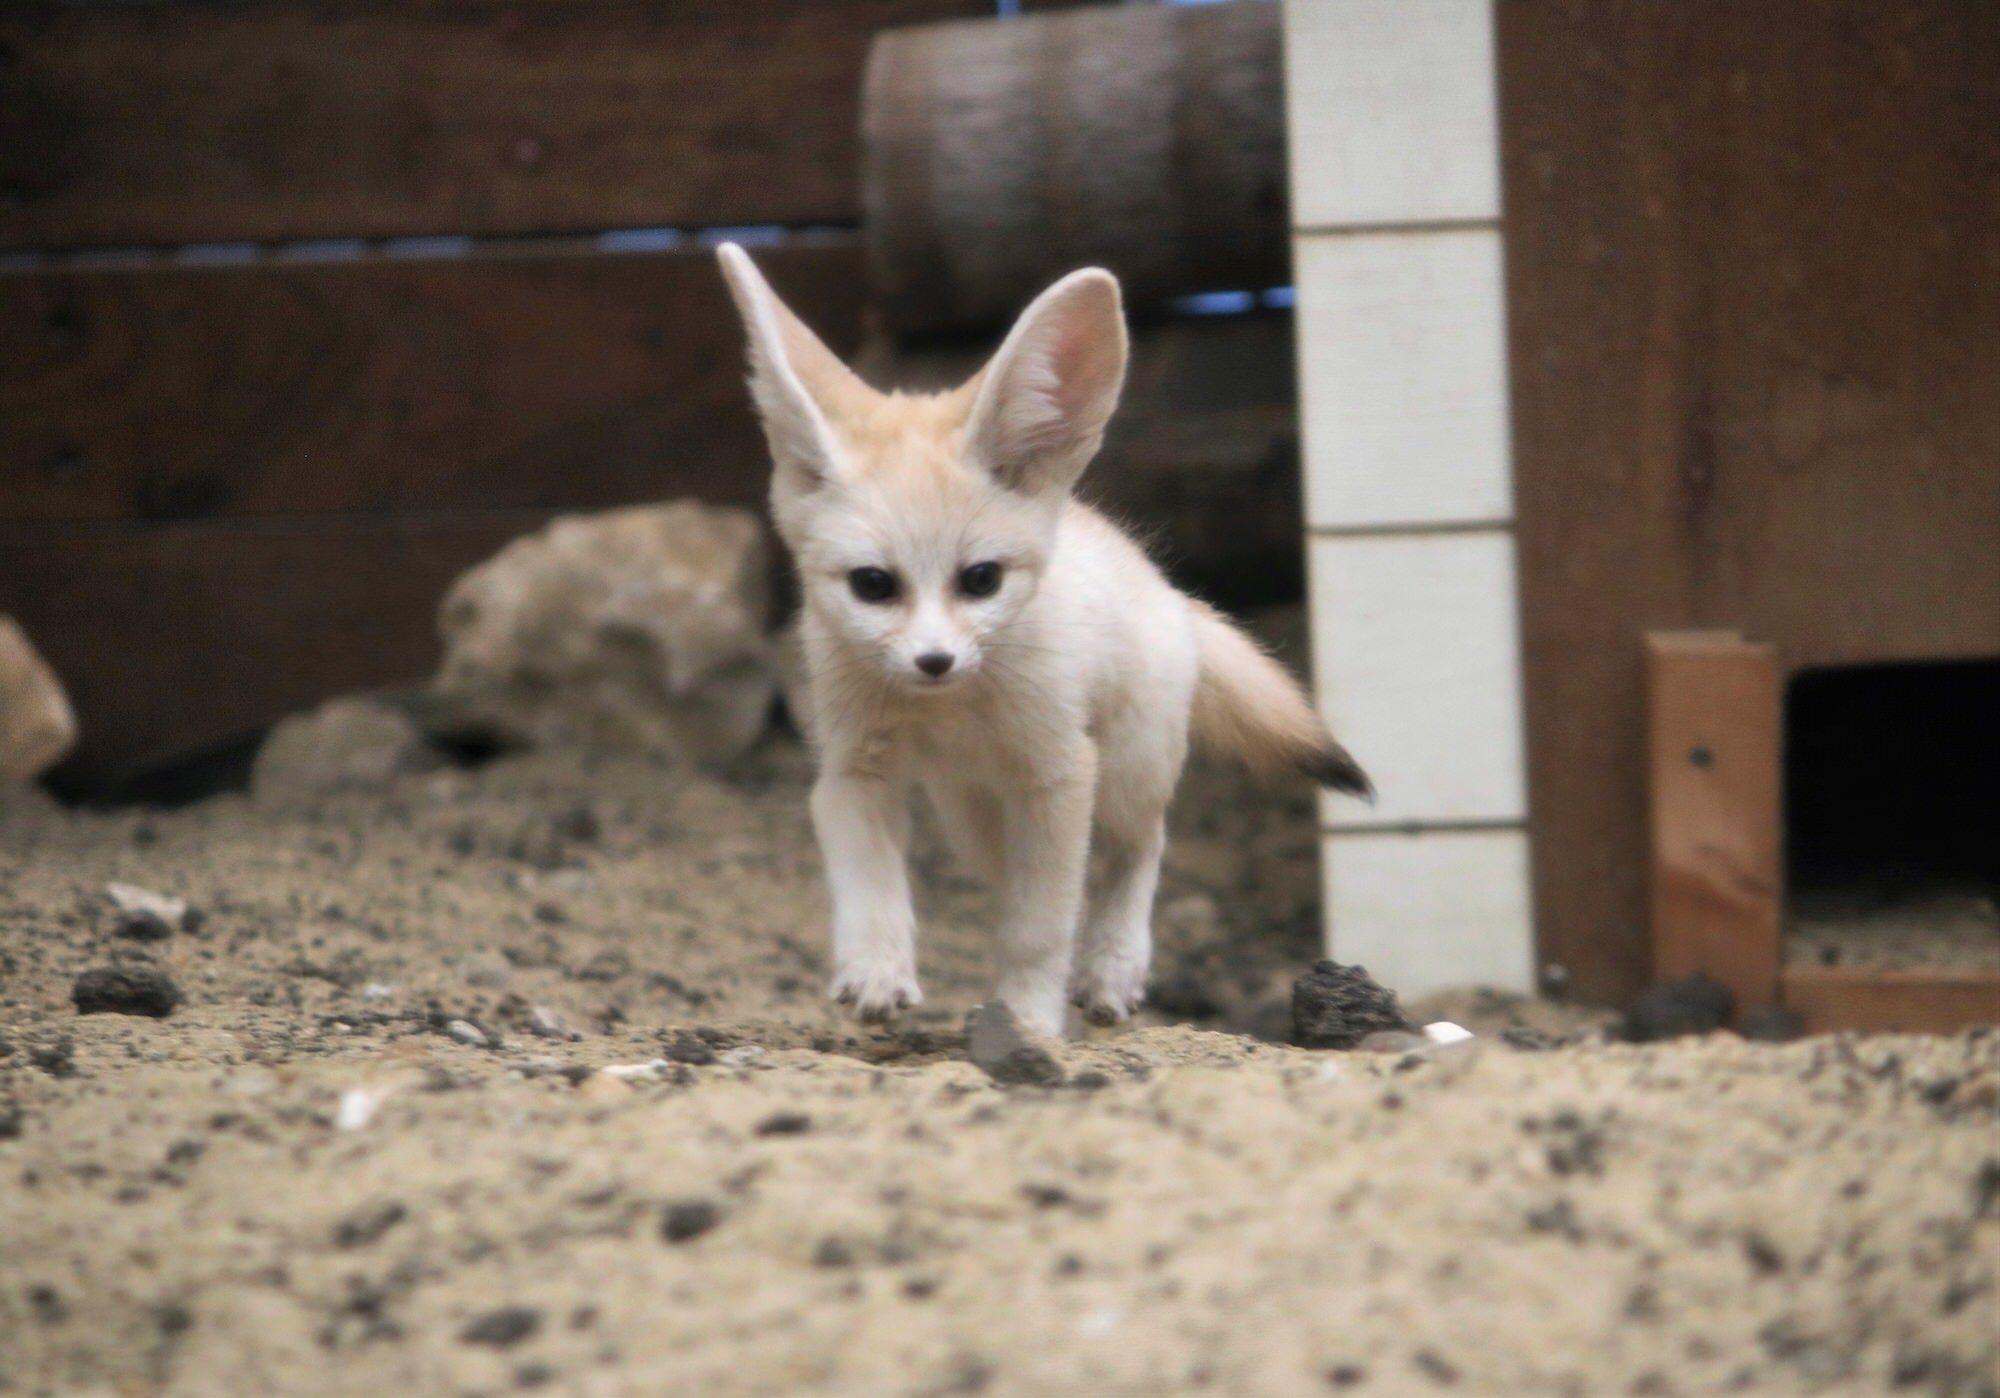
(1831, 998)
(1715, 720)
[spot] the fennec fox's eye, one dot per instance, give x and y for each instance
(873, 584)
(980, 580)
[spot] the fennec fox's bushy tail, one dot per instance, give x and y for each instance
(1247, 705)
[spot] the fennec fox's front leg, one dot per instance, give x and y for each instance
(863, 824)
(1044, 863)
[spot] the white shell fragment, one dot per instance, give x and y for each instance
(129, 898)
(1443, 1031)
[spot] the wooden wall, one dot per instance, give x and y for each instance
(1753, 261)
(230, 487)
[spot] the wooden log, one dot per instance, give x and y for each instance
(1834, 998)
(1202, 458)
(1718, 859)
(999, 155)
(208, 119)
(555, 379)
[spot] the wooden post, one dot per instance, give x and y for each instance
(1715, 727)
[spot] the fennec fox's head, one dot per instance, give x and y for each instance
(922, 523)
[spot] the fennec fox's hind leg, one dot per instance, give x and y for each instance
(863, 824)
(1138, 770)
(1117, 950)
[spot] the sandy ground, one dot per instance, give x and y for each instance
(301, 1182)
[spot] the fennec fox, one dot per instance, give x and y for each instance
(971, 629)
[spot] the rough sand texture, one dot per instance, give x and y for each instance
(864, 1212)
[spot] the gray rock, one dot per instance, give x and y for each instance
(467, 1033)
(996, 1041)
(37, 725)
(545, 1023)
(352, 744)
(1336, 1007)
(639, 629)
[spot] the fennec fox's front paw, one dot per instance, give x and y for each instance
(876, 991)
(1109, 991)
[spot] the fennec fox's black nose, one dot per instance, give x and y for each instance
(934, 663)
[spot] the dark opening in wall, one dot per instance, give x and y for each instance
(1892, 814)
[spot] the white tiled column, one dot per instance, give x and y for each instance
(1409, 484)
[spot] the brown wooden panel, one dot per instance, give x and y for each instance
(171, 636)
(1832, 998)
(530, 380)
(1754, 270)
(1718, 862)
(207, 119)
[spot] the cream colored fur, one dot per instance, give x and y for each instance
(1062, 723)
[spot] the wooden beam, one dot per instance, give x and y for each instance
(1832, 998)
(552, 379)
(206, 120)
(1715, 723)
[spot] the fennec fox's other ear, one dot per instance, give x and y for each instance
(1040, 406)
(800, 387)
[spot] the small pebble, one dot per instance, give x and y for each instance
(688, 1218)
(998, 1044)
(502, 1328)
(467, 1033)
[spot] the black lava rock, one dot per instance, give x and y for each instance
(1336, 1007)
(368, 1223)
(1697, 1004)
(1772, 1024)
(502, 1328)
(126, 990)
(688, 1218)
(142, 925)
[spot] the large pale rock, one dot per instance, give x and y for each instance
(37, 725)
(639, 629)
(343, 745)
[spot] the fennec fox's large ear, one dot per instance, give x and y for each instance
(1041, 404)
(799, 386)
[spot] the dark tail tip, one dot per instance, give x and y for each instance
(1334, 767)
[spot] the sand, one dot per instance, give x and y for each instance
(313, 1177)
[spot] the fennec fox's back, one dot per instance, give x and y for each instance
(972, 630)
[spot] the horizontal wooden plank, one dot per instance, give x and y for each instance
(205, 119)
(533, 380)
(1833, 998)
(168, 637)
